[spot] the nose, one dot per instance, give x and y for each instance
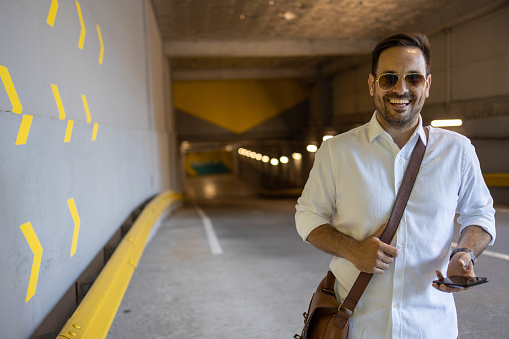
(401, 87)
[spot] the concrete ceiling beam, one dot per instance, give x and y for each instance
(267, 48)
(233, 74)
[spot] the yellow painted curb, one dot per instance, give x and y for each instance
(94, 315)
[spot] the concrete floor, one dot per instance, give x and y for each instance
(262, 282)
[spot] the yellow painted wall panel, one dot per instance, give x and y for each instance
(238, 105)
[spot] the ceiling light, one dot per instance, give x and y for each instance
(265, 158)
(325, 137)
(296, 156)
(311, 148)
(274, 162)
(284, 160)
(289, 16)
(446, 123)
(258, 157)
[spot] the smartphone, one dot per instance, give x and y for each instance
(461, 281)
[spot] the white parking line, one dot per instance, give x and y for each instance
(490, 253)
(215, 247)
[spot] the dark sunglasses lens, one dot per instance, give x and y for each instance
(387, 81)
(415, 80)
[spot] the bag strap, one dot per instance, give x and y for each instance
(348, 305)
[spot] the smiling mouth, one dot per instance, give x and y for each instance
(399, 104)
(399, 101)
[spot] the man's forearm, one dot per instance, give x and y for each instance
(329, 240)
(369, 255)
(474, 238)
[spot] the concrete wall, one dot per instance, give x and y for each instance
(49, 177)
(351, 92)
(470, 65)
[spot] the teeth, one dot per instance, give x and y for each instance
(399, 101)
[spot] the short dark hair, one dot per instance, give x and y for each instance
(418, 40)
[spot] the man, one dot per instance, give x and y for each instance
(348, 198)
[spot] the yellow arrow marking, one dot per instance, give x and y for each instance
(36, 248)
(58, 101)
(11, 91)
(85, 105)
(83, 30)
(24, 129)
(101, 53)
(77, 221)
(52, 12)
(94, 132)
(68, 131)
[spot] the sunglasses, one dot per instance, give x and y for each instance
(388, 81)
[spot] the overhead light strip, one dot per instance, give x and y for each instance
(447, 123)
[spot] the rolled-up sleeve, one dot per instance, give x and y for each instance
(475, 204)
(317, 202)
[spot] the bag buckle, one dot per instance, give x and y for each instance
(328, 291)
(346, 310)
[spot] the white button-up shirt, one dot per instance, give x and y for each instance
(353, 185)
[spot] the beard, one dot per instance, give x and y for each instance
(398, 119)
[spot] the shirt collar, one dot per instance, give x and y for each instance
(375, 129)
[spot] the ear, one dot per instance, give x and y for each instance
(428, 85)
(371, 84)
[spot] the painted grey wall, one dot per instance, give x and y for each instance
(129, 161)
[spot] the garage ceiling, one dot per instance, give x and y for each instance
(226, 39)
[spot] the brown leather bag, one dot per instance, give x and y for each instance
(325, 318)
(322, 312)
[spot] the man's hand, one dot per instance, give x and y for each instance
(372, 255)
(460, 264)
